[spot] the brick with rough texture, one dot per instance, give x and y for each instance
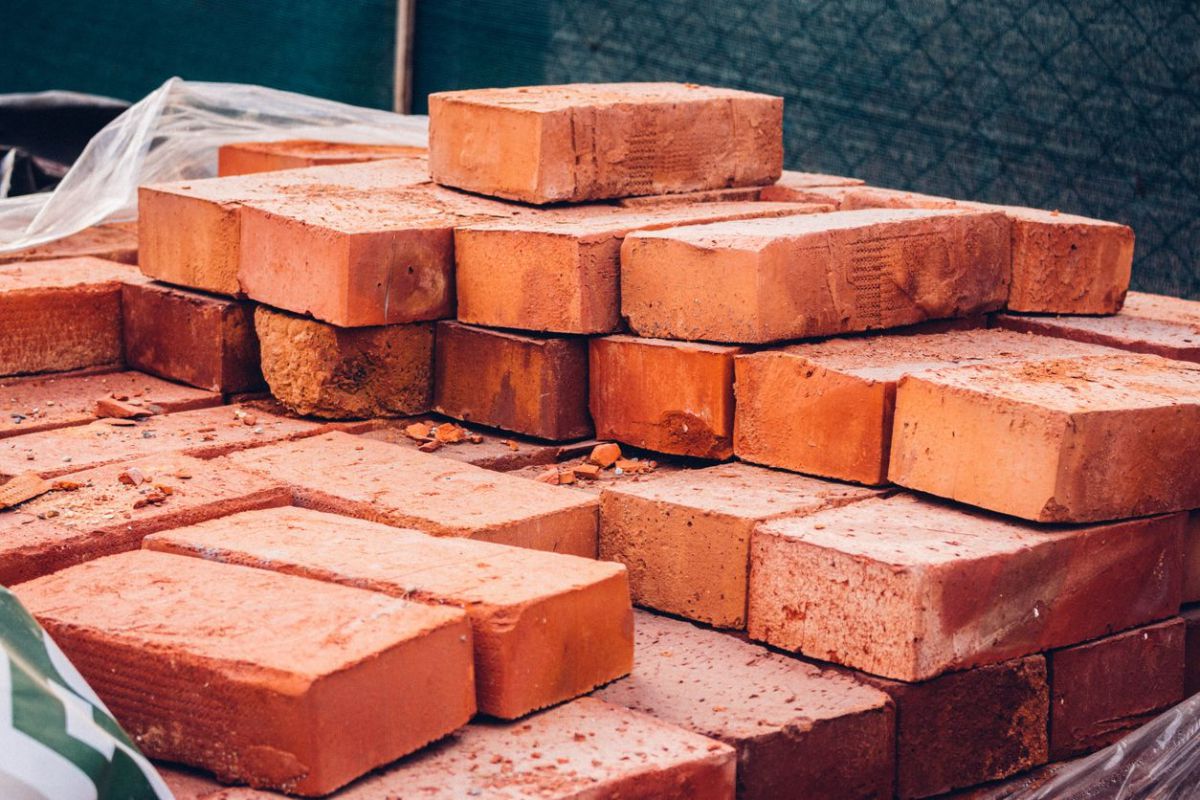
(909, 588)
(262, 678)
(245, 158)
(319, 370)
(768, 280)
(547, 627)
(534, 385)
(113, 241)
(406, 488)
(1098, 437)
(795, 187)
(685, 537)
(547, 144)
(670, 397)
(800, 731)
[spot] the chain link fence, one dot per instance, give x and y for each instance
(1087, 107)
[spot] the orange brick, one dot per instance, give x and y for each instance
(813, 275)
(244, 158)
(670, 397)
(28, 405)
(107, 515)
(796, 186)
(533, 385)
(559, 270)
(1079, 440)
(685, 537)
(194, 338)
(114, 241)
(737, 194)
(343, 373)
(826, 408)
(189, 232)
(406, 488)
(546, 144)
(339, 681)
(909, 588)
(547, 627)
(61, 315)
(1148, 323)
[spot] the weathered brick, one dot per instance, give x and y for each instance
(685, 537)
(1101, 690)
(61, 315)
(909, 588)
(559, 269)
(546, 144)
(811, 275)
(1078, 440)
(547, 627)
(670, 397)
(534, 385)
(339, 681)
(194, 338)
(826, 408)
(406, 488)
(794, 186)
(245, 158)
(113, 241)
(107, 515)
(799, 731)
(320, 370)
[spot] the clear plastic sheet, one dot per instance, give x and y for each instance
(173, 134)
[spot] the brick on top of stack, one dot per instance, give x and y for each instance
(245, 158)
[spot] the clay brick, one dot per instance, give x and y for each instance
(61, 315)
(826, 408)
(546, 144)
(1101, 690)
(1148, 323)
(194, 338)
(406, 488)
(106, 515)
(799, 731)
(318, 370)
(968, 727)
(559, 270)
(245, 158)
(686, 537)
(795, 186)
(339, 682)
(1098, 437)
(909, 588)
(1191, 681)
(114, 241)
(669, 397)
(28, 405)
(204, 433)
(811, 275)
(189, 232)
(738, 194)
(534, 385)
(496, 450)
(546, 627)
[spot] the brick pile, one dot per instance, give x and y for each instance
(353, 484)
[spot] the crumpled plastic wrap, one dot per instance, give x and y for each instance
(173, 134)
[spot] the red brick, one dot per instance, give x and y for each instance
(546, 144)
(42, 403)
(339, 681)
(396, 486)
(968, 727)
(106, 515)
(795, 186)
(534, 385)
(546, 627)
(799, 731)
(685, 537)
(1148, 323)
(811, 275)
(826, 408)
(1191, 681)
(61, 315)
(114, 241)
(244, 158)
(204, 433)
(1101, 690)
(670, 397)
(559, 270)
(1099, 437)
(194, 338)
(909, 588)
